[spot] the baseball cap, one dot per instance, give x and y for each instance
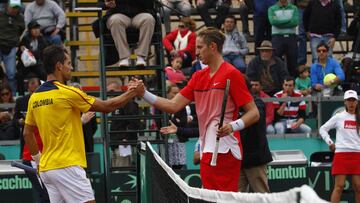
(350, 94)
(15, 3)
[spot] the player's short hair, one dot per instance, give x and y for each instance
(52, 55)
(213, 35)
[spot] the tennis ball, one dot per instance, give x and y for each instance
(328, 78)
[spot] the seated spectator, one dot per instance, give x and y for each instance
(35, 43)
(173, 72)
(323, 66)
(8, 129)
(222, 7)
(123, 14)
(181, 41)
(6, 98)
(235, 47)
(268, 68)
(303, 82)
(290, 116)
(12, 26)
(256, 89)
(181, 7)
(322, 23)
(51, 18)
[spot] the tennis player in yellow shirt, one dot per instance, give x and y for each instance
(54, 108)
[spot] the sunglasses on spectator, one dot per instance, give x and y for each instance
(181, 26)
(5, 93)
(321, 50)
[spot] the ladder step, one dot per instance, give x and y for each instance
(122, 168)
(89, 58)
(83, 43)
(85, 28)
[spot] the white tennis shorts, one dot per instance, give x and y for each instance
(67, 185)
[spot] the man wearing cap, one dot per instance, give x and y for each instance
(347, 147)
(284, 18)
(12, 25)
(50, 16)
(268, 68)
(35, 43)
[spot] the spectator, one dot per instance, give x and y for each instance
(173, 72)
(256, 89)
(6, 98)
(323, 66)
(12, 26)
(322, 22)
(8, 129)
(268, 68)
(222, 7)
(256, 154)
(51, 18)
(122, 155)
(352, 59)
(35, 43)
(262, 27)
(290, 116)
(303, 82)
(182, 7)
(21, 106)
(89, 125)
(284, 18)
(235, 48)
(181, 41)
(123, 14)
(302, 58)
(244, 15)
(177, 150)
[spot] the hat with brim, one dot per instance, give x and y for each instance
(265, 45)
(350, 94)
(15, 3)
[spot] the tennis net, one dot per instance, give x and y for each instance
(160, 184)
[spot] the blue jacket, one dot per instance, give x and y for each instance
(317, 72)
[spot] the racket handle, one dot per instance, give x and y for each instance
(215, 154)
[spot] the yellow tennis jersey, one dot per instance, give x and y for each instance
(55, 109)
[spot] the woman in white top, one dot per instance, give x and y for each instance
(347, 147)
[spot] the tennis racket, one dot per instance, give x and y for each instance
(222, 115)
(24, 167)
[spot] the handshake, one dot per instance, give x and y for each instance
(137, 86)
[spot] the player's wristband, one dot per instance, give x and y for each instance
(237, 125)
(329, 141)
(36, 157)
(149, 97)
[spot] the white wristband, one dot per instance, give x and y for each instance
(149, 97)
(237, 125)
(36, 158)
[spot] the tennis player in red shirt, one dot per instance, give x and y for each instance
(207, 88)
